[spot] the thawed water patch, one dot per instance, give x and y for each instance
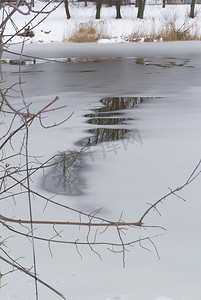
(163, 62)
(37, 60)
(102, 135)
(109, 123)
(63, 177)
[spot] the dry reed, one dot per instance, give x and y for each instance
(86, 33)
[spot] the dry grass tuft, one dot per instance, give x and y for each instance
(86, 33)
(172, 34)
(170, 30)
(173, 31)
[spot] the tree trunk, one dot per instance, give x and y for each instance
(118, 9)
(164, 2)
(136, 3)
(98, 9)
(85, 3)
(141, 8)
(67, 9)
(110, 3)
(192, 12)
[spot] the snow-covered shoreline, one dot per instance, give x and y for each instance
(56, 27)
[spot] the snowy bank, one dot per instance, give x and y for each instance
(154, 26)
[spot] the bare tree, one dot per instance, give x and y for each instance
(117, 4)
(98, 8)
(118, 9)
(67, 9)
(141, 7)
(192, 10)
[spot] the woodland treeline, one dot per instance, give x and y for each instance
(140, 4)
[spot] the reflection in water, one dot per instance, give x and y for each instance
(163, 62)
(118, 103)
(107, 123)
(101, 135)
(103, 115)
(142, 61)
(63, 177)
(111, 114)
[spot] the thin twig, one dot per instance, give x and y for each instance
(33, 276)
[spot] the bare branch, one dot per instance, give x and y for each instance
(31, 275)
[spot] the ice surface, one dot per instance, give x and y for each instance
(169, 126)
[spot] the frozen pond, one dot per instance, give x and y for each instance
(137, 112)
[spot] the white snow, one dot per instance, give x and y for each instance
(126, 181)
(56, 27)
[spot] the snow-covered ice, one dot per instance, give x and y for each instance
(170, 130)
(169, 126)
